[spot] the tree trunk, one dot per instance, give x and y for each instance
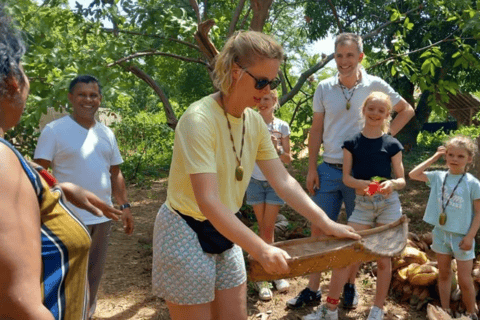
(408, 135)
(260, 13)
(171, 118)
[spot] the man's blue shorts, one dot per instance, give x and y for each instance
(333, 192)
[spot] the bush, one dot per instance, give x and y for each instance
(146, 143)
(432, 141)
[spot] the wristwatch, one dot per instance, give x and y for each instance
(280, 151)
(125, 206)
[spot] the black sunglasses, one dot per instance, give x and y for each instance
(262, 83)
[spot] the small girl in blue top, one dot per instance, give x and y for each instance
(453, 209)
(369, 154)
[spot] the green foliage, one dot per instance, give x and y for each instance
(63, 43)
(146, 143)
(434, 47)
(431, 141)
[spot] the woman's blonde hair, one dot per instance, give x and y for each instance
(388, 103)
(464, 142)
(244, 48)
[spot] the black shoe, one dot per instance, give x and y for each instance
(350, 296)
(306, 296)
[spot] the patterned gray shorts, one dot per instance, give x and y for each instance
(182, 272)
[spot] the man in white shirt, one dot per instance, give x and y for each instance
(336, 116)
(83, 151)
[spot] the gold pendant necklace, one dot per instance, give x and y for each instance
(345, 88)
(442, 219)
(239, 168)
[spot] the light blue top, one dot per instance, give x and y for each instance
(459, 211)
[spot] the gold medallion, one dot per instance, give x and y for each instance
(348, 105)
(239, 173)
(442, 219)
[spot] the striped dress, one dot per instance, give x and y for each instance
(65, 246)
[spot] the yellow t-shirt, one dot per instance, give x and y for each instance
(203, 145)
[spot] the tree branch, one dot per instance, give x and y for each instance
(235, 17)
(303, 77)
(170, 114)
(377, 31)
(204, 43)
(298, 107)
(205, 11)
(155, 53)
(191, 45)
(335, 14)
(414, 51)
(244, 20)
(195, 8)
(260, 13)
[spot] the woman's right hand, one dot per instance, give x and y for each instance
(273, 260)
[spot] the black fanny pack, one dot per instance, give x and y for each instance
(210, 239)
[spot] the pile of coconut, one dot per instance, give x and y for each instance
(415, 275)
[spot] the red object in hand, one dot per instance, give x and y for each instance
(373, 188)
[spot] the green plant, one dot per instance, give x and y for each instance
(432, 141)
(146, 143)
(366, 283)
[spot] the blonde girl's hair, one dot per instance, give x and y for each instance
(388, 103)
(274, 94)
(244, 48)
(461, 141)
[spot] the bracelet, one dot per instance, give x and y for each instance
(333, 301)
(280, 151)
(125, 206)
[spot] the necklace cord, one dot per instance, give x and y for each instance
(351, 96)
(239, 160)
(451, 195)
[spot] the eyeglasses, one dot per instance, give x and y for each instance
(262, 83)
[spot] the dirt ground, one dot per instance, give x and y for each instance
(125, 291)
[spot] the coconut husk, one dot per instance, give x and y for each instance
(437, 313)
(316, 254)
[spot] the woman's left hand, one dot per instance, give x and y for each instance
(466, 243)
(343, 231)
(87, 200)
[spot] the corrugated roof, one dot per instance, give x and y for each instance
(463, 107)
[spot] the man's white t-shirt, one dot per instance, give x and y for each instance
(81, 156)
(340, 123)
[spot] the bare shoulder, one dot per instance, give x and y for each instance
(16, 190)
(9, 164)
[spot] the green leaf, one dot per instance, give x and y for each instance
(393, 70)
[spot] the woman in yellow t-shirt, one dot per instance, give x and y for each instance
(198, 266)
